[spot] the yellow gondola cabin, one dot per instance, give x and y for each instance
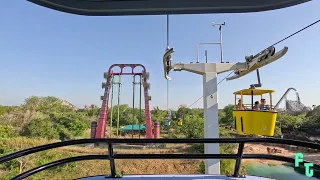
(250, 120)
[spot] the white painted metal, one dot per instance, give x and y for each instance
(167, 62)
(209, 73)
(220, 43)
(175, 177)
(257, 63)
(201, 68)
(211, 123)
(198, 44)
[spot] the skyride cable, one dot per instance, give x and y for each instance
(166, 50)
(269, 46)
(296, 32)
(217, 84)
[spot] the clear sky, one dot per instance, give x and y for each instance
(50, 53)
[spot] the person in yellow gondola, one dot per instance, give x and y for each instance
(240, 106)
(256, 106)
(264, 106)
(260, 119)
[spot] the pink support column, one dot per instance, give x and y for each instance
(147, 113)
(103, 116)
(156, 130)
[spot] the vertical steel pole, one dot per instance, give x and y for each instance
(119, 90)
(133, 84)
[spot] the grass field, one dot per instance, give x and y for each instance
(94, 167)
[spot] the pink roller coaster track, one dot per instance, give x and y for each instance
(101, 128)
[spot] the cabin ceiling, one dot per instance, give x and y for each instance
(162, 7)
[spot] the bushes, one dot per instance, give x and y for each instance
(46, 105)
(226, 165)
(289, 122)
(16, 166)
(6, 131)
(75, 126)
(224, 148)
(46, 117)
(277, 132)
(192, 127)
(4, 109)
(56, 128)
(228, 117)
(41, 128)
(312, 122)
(308, 123)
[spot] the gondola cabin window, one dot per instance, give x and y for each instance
(253, 113)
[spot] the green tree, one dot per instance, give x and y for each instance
(183, 111)
(7, 131)
(5, 109)
(91, 111)
(31, 103)
(221, 114)
(193, 127)
(40, 128)
(314, 113)
(158, 115)
(289, 122)
(198, 112)
(228, 117)
(46, 105)
(125, 117)
(52, 104)
(64, 133)
(18, 118)
(73, 122)
(311, 122)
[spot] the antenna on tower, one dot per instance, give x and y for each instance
(206, 54)
(220, 43)
(220, 29)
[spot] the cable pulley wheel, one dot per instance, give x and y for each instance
(272, 51)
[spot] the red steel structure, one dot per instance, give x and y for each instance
(102, 124)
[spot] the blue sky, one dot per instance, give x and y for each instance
(45, 52)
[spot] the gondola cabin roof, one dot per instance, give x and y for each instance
(256, 92)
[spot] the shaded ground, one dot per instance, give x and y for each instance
(263, 149)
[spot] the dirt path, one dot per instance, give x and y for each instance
(138, 166)
(262, 149)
